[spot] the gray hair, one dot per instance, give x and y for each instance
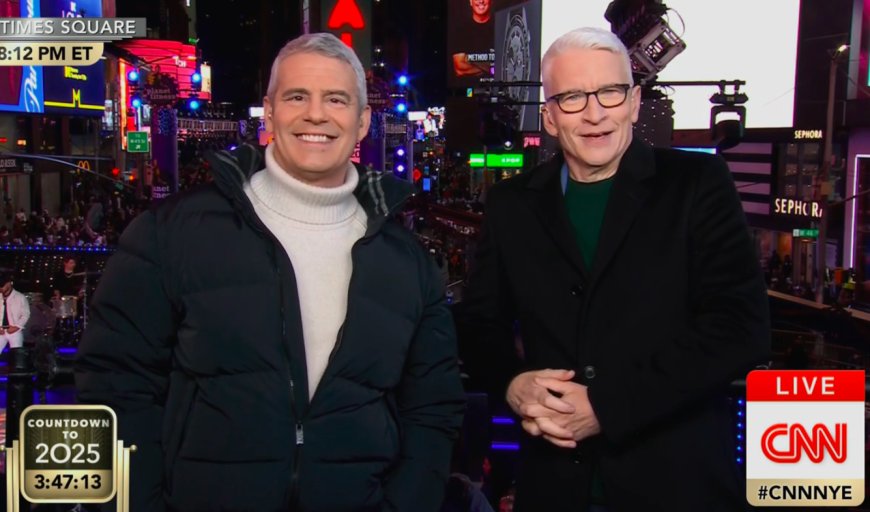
(589, 38)
(324, 44)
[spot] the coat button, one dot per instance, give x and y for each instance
(576, 290)
(589, 372)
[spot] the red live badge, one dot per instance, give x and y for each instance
(805, 438)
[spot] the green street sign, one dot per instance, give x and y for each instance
(504, 160)
(137, 142)
(805, 233)
(496, 160)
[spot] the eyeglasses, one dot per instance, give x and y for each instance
(610, 96)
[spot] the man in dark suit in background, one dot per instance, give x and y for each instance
(638, 296)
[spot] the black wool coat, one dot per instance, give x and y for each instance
(673, 309)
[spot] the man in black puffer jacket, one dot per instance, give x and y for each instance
(274, 340)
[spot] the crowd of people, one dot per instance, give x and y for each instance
(839, 284)
(95, 224)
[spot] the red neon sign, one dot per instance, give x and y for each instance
(346, 12)
(800, 441)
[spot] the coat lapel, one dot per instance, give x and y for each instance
(548, 202)
(630, 191)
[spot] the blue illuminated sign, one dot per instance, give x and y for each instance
(74, 90)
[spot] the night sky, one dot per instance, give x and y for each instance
(239, 38)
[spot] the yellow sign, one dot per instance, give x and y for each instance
(73, 73)
(75, 103)
(68, 454)
(49, 53)
(808, 134)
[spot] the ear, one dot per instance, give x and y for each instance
(267, 109)
(634, 99)
(365, 120)
(549, 123)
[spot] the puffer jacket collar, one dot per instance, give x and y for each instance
(381, 195)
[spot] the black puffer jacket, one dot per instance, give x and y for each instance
(195, 340)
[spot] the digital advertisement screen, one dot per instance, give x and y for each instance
(470, 41)
(518, 57)
(74, 90)
(717, 49)
(21, 87)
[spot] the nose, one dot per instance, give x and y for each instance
(594, 113)
(314, 111)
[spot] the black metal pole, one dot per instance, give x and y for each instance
(19, 395)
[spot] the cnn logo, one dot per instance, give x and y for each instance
(799, 442)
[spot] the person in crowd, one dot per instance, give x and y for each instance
(16, 313)
(640, 303)
(67, 282)
(276, 340)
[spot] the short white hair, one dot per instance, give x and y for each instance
(324, 44)
(589, 38)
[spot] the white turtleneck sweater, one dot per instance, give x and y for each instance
(317, 226)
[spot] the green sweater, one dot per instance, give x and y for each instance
(586, 203)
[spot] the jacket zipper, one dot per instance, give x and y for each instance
(300, 436)
(340, 336)
(297, 453)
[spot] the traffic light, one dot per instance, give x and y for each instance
(136, 100)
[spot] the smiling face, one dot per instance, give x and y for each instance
(316, 118)
(594, 139)
(480, 10)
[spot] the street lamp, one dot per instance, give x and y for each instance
(823, 187)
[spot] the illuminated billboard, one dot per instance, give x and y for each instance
(518, 58)
(349, 20)
(74, 90)
(470, 41)
(69, 90)
(173, 59)
(21, 87)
